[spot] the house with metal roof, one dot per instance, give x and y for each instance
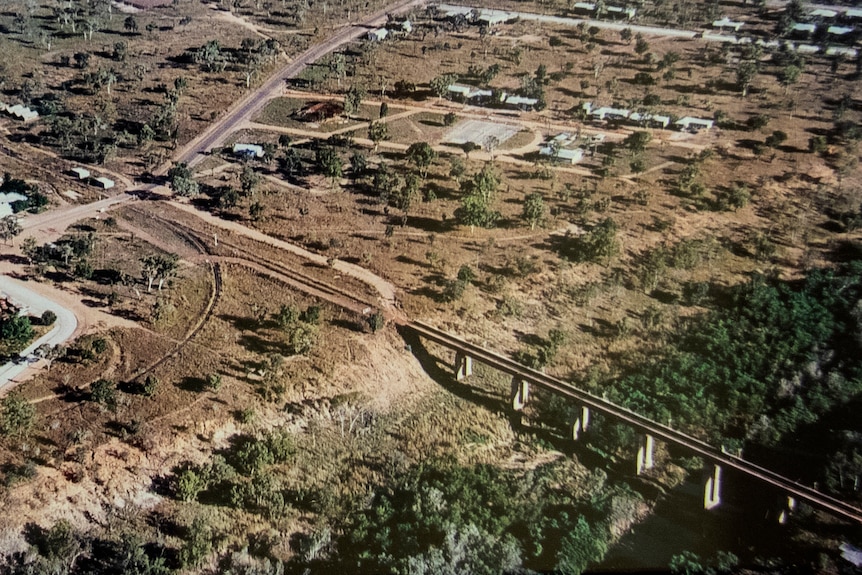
(495, 17)
(248, 150)
(104, 183)
(607, 113)
(21, 112)
(652, 120)
(727, 23)
(694, 124)
(377, 35)
(81, 173)
(840, 30)
(468, 92)
(520, 101)
(620, 10)
(570, 155)
(803, 28)
(823, 14)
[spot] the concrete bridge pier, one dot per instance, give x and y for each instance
(581, 424)
(463, 366)
(520, 393)
(788, 507)
(645, 453)
(712, 489)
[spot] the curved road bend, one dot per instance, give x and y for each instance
(642, 424)
(62, 330)
(249, 106)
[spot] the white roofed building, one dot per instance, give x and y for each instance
(694, 124)
(104, 183)
(248, 150)
(378, 35)
(727, 23)
(652, 120)
(570, 155)
(606, 113)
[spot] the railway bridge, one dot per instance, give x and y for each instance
(649, 431)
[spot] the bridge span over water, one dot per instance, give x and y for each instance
(523, 378)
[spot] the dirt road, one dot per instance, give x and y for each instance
(248, 107)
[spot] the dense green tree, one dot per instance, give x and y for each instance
(182, 180)
(745, 73)
(198, 544)
(478, 199)
(248, 180)
(440, 84)
(353, 99)
(534, 209)
(330, 163)
(422, 155)
(377, 132)
(637, 141)
(17, 416)
(16, 331)
(104, 392)
(10, 227)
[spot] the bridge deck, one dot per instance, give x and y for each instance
(643, 424)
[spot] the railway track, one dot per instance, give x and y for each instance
(208, 310)
(315, 286)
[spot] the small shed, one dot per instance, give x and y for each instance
(248, 150)
(520, 102)
(81, 173)
(104, 183)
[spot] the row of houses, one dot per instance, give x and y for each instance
(627, 12)
(101, 181)
(802, 28)
(474, 95)
(483, 16)
(609, 114)
(19, 111)
(847, 15)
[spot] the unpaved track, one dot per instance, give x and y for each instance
(249, 106)
(386, 289)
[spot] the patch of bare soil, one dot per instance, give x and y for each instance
(95, 462)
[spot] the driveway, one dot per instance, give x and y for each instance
(62, 329)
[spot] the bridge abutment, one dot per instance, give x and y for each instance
(520, 393)
(646, 450)
(712, 489)
(581, 424)
(463, 366)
